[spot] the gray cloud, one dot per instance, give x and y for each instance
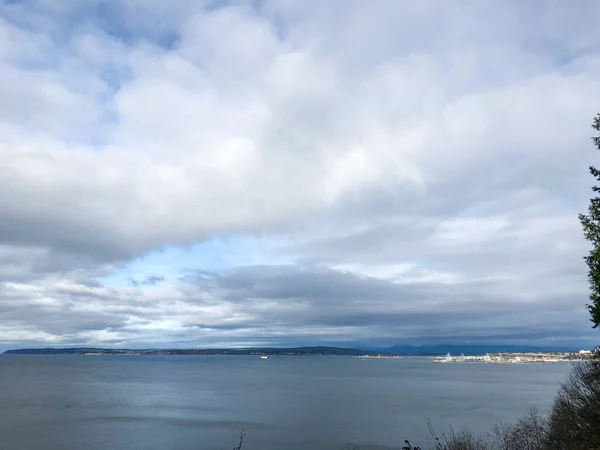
(269, 304)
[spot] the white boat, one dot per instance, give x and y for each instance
(263, 357)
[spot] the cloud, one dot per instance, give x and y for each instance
(274, 304)
(405, 171)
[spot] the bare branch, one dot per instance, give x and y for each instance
(242, 435)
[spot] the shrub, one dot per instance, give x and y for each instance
(575, 418)
(463, 440)
(528, 433)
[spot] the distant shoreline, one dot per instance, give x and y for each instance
(518, 358)
(271, 351)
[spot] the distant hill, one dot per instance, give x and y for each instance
(295, 351)
(471, 349)
(425, 350)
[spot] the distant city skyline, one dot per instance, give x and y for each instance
(295, 173)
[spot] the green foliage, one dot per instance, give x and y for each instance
(591, 229)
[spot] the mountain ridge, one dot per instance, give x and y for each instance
(292, 351)
(400, 349)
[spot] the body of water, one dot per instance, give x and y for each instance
(290, 403)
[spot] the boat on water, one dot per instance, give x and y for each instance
(263, 357)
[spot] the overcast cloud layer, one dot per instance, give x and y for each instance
(295, 172)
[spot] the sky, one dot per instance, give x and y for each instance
(278, 172)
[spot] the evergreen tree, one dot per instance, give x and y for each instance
(591, 229)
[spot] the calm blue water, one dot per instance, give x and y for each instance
(192, 403)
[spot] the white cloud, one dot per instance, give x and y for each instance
(434, 145)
